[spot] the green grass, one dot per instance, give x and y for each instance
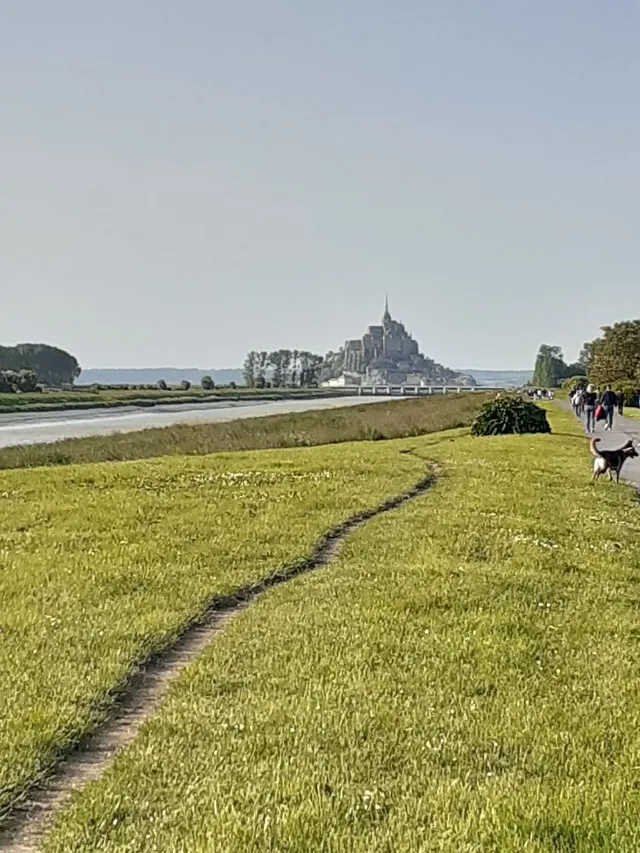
(634, 414)
(466, 678)
(102, 565)
(392, 419)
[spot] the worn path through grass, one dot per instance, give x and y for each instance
(466, 678)
(104, 565)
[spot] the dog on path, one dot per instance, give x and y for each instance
(610, 461)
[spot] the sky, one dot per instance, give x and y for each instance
(183, 182)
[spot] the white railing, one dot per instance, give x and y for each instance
(412, 390)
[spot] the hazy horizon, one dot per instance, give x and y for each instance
(185, 182)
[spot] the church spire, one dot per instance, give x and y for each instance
(386, 315)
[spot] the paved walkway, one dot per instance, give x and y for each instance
(623, 430)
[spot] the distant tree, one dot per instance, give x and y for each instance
(233, 385)
(550, 368)
(162, 385)
(274, 363)
(185, 385)
(207, 383)
(293, 378)
(52, 366)
(279, 363)
(575, 369)
(286, 356)
(263, 364)
(250, 369)
(309, 368)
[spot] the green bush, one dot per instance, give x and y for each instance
(207, 383)
(572, 382)
(507, 415)
(630, 391)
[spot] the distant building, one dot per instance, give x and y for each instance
(385, 355)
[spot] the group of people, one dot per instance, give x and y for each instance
(539, 393)
(591, 405)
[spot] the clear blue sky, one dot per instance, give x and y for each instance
(181, 182)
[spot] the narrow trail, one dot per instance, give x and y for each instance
(31, 817)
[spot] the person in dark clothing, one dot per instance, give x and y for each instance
(589, 399)
(609, 401)
(620, 401)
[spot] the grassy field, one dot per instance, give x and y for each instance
(466, 678)
(102, 565)
(53, 401)
(370, 421)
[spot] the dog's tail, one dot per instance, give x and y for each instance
(593, 446)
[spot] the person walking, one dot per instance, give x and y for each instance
(589, 399)
(577, 402)
(609, 401)
(620, 401)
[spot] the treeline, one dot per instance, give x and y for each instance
(52, 366)
(551, 369)
(283, 368)
(613, 359)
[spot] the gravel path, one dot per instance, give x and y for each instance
(623, 430)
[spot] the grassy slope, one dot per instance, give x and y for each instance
(465, 678)
(380, 420)
(101, 565)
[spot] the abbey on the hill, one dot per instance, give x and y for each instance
(386, 355)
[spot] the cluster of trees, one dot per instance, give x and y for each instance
(52, 366)
(615, 356)
(551, 369)
(282, 368)
(611, 359)
(18, 381)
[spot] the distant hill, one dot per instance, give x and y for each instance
(501, 378)
(150, 375)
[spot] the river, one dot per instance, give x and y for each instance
(36, 427)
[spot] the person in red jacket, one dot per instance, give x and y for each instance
(609, 401)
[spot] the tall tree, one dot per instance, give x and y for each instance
(250, 369)
(275, 364)
(550, 368)
(286, 356)
(295, 356)
(309, 368)
(261, 369)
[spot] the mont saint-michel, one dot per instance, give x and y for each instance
(386, 355)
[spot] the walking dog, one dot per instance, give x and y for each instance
(611, 461)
